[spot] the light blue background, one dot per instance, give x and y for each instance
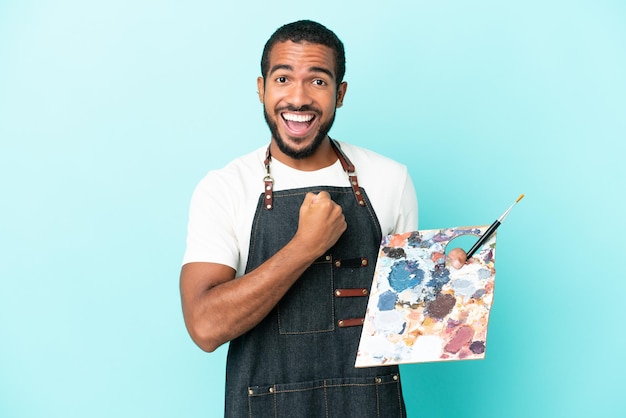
(111, 112)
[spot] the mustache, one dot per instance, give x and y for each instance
(303, 108)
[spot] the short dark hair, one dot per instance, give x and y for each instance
(306, 31)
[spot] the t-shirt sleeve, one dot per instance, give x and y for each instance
(210, 234)
(407, 215)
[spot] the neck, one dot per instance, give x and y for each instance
(324, 156)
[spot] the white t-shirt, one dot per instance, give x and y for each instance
(224, 202)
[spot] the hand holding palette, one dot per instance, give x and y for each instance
(422, 309)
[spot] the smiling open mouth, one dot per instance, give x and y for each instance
(298, 123)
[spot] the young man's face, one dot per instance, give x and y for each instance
(300, 95)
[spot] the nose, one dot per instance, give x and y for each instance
(300, 95)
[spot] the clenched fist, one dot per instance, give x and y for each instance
(321, 223)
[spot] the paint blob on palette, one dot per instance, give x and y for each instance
(421, 309)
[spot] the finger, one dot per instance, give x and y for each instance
(322, 196)
(309, 198)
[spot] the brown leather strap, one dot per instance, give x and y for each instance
(269, 182)
(352, 322)
(347, 165)
(349, 293)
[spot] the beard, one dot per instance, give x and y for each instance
(304, 152)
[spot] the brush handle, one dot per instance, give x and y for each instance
(484, 237)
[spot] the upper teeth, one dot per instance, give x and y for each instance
(295, 117)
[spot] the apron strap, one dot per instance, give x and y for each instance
(346, 164)
(348, 167)
(268, 181)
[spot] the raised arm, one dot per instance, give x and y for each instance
(212, 296)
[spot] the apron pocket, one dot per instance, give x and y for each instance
(374, 397)
(308, 305)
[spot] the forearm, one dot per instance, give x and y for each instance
(221, 312)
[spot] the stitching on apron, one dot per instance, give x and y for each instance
(377, 402)
(402, 413)
(275, 404)
(324, 386)
(332, 314)
(325, 399)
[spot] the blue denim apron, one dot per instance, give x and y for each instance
(299, 361)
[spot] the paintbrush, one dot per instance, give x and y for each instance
(489, 232)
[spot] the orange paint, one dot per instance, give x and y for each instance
(436, 256)
(399, 240)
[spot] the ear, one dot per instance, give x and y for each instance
(260, 87)
(341, 93)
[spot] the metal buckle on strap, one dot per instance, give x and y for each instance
(269, 182)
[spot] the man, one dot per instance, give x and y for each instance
(282, 245)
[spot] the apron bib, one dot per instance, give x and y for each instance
(299, 361)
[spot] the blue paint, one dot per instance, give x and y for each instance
(484, 274)
(405, 274)
(387, 301)
(440, 237)
(440, 276)
(414, 240)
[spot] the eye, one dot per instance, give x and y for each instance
(319, 82)
(281, 79)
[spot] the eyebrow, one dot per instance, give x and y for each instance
(311, 69)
